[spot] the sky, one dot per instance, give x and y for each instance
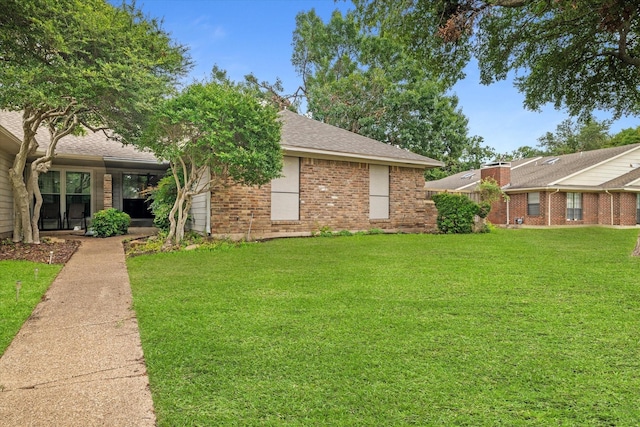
(255, 36)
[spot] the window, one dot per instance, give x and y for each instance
(533, 204)
(50, 213)
(134, 194)
(285, 192)
(66, 199)
(378, 192)
(574, 206)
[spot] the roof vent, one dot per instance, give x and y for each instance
(634, 165)
(468, 175)
(551, 161)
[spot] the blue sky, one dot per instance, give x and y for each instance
(254, 36)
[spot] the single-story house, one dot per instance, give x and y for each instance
(599, 187)
(331, 178)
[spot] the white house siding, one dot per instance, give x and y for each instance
(6, 198)
(200, 208)
(606, 171)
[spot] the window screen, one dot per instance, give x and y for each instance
(378, 192)
(285, 192)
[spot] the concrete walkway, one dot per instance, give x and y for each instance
(78, 360)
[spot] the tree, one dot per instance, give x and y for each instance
(572, 137)
(582, 55)
(625, 137)
(212, 133)
(367, 84)
(73, 66)
(523, 152)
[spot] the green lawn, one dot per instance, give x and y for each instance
(14, 312)
(515, 327)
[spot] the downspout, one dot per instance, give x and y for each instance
(611, 195)
(508, 219)
(207, 221)
(549, 207)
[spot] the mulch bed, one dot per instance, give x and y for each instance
(62, 251)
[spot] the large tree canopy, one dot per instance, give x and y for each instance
(75, 65)
(581, 55)
(367, 84)
(210, 133)
(572, 136)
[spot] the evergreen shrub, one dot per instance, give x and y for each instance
(110, 222)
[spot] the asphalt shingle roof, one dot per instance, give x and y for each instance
(93, 144)
(298, 134)
(543, 172)
(304, 134)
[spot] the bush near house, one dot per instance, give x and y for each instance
(110, 222)
(456, 213)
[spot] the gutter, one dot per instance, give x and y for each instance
(344, 156)
(508, 219)
(611, 195)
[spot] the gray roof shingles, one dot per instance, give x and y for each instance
(299, 133)
(536, 173)
(302, 133)
(93, 144)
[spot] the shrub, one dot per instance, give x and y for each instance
(110, 222)
(456, 213)
(162, 199)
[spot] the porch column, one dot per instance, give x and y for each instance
(108, 191)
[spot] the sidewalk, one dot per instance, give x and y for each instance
(78, 360)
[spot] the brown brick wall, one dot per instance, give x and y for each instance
(333, 194)
(628, 206)
(501, 174)
(596, 209)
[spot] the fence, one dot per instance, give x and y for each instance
(472, 195)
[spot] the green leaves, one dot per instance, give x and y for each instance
(456, 213)
(112, 61)
(578, 55)
(370, 83)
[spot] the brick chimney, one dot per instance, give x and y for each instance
(500, 171)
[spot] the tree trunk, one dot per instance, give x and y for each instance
(636, 251)
(34, 192)
(22, 224)
(172, 221)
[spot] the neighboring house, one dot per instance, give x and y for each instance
(332, 178)
(89, 173)
(599, 187)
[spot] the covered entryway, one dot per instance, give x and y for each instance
(135, 191)
(66, 199)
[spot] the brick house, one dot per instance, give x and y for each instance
(332, 178)
(600, 187)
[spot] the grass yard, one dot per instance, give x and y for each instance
(515, 327)
(13, 313)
